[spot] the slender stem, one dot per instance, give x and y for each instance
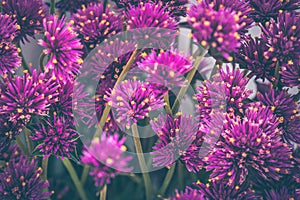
(27, 133)
(84, 174)
(24, 64)
(277, 69)
(21, 145)
(1, 6)
(42, 57)
(103, 192)
(52, 7)
(180, 176)
(45, 167)
(167, 180)
(143, 166)
(167, 103)
(188, 80)
(75, 178)
(104, 5)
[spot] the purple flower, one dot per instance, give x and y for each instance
(216, 30)
(133, 101)
(175, 134)
(9, 58)
(166, 68)
(107, 158)
(94, 24)
(187, 194)
(73, 5)
(255, 55)
(22, 180)
(4, 146)
(64, 48)
(28, 14)
(153, 25)
(56, 136)
(8, 28)
(250, 148)
(25, 96)
(8, 151)
(264, 10)
(290, 74)
(9, 129)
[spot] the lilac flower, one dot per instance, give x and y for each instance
(63, 46)
(221, 190)
(250, 148)
(264, 10)
(255, 55)
(133, 100)
(216, 30)
(175, 134)
(290, 75)
(22, 180)
(153, 25)
(9, 58)
(4, 146)
(166, 68)
(187, 194)
(56, 136)
(107, 158)
(94, 24)
(73, 5)
(8, 151)
(9, 129)
(25, 96)
(28, 14)
(8, 28)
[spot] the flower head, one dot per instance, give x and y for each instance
(153, 25)
(25, 96)
(216, 30)
(106, 157)
(29, 15)
(72, 5)
(9, 129)
(64, 48)
(22, 180)
(290, 74)
(175, 134)
(8, 28)
(94, 24)
(187, 194)
(9, 58)
(166, 68)
(133, 101)
(56, 136)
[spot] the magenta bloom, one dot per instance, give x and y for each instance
(146, 16)
(93, 24)
(250, 148)
(63, 47)
(166, 68)
(22, 180)
(9, 58)
(9, 129)
(8, 28)
(187, 194)
(29, 15)
(133, 101)
(56, 136)
(175, 134)
(25, 96)
(106, 157)
(73, 5)
(216, 30)
(290, 74)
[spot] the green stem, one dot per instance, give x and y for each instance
(277, 69)
(180, 176)
(27, 133)
(45, 167)
(188, 80)
(42, 57)
(24, 64)
(21, 145)
(167, 103)
(75, 178)
(52, 7)
(167, 180)
(103, 192)
(84, 174)
(143, 166)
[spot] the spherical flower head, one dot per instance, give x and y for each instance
(133, 101)
(249, 146)
(255, 55)
(187, 194)
(4, 146)
(9, 129)
(9, 58)
(106, 157)
(29, 15)
(73, 5)
(264, 10)
(290, 74)
(8, 28)
(221, 190)
(94, 24)
(153, 25)
(216, 30)
(8, 150)
(56, 136)
(21, 179)
(25, 96)
(175, 134)
(61, 44)
(166, 68)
